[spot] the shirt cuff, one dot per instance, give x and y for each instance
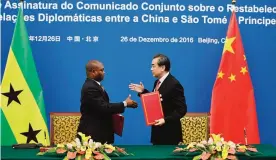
(125, 103)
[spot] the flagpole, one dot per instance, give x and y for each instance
(244, 129)
(21, 3)
(45, 137)
(233, 5)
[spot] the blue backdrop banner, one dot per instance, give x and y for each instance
(125, 36)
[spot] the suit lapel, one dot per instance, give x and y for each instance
(164, 84)
(154, 85)
(105, 95)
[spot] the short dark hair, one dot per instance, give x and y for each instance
(91, 65)
(163, 61)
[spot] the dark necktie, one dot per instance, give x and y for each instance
(106, 96)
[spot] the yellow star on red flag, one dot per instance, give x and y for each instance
(220, 74)
(243, 70)
(232, 77)
(228, 45)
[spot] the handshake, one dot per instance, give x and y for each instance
(134, 87)
(139, 88)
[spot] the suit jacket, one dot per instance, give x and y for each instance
(96, 112)
(174, 108)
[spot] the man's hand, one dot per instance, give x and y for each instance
(159, 122)
(137, 87)
(130, 103)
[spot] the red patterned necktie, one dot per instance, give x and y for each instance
(157, 86)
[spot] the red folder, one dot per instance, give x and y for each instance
(152, 107)
(118, 124)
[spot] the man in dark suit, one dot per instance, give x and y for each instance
(96, 110)
(166, 131)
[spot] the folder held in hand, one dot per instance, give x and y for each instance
(152, 107)
(118, 124)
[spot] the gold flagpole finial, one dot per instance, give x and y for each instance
(233, 2)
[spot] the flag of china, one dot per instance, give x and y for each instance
(233, 109)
